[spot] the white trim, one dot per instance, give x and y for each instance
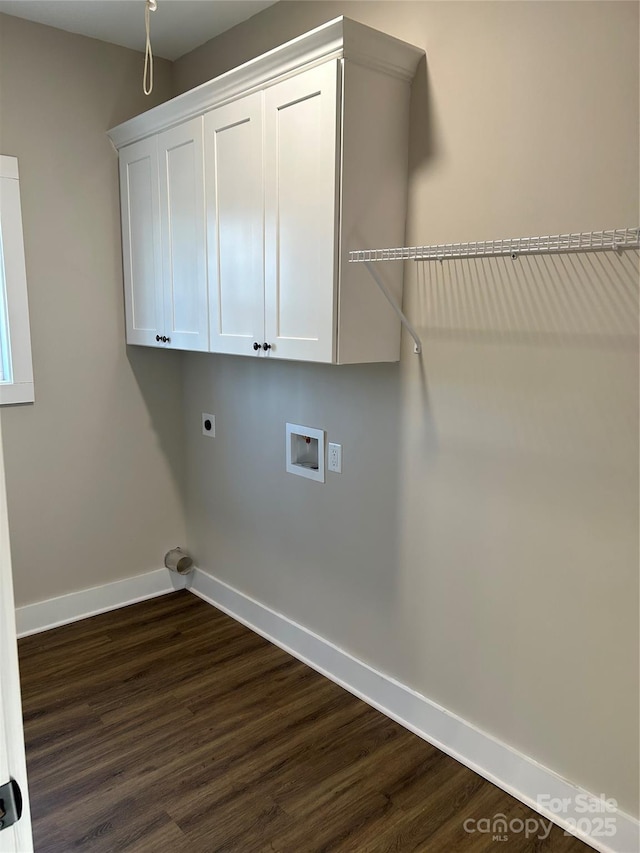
(18, 386)
(335, 39)
(16, 392)
(17, 838)
(515, 773)
(9, 167)
(53, 612)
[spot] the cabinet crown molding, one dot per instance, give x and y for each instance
(339, 38)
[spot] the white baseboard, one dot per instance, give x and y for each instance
(33, 618)
(502, 765)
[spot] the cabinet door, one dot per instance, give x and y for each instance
(182, 217)
(301, 146)
(142, 264)
(235, 225)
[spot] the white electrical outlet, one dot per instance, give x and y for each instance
(335, 458)
(208, 425)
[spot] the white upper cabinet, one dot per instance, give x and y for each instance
(235, 225)
(142, 261)
(242, 199)
(271, 171)
(163, 239)
(301, 170)
(182, 219)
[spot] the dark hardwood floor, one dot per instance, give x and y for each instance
(167, 726)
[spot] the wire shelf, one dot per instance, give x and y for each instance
(616, 239)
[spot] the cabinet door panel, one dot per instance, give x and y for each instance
(141, 242)
(301, 128)
(235, 223)
(184, 270)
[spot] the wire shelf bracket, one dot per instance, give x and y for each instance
(417, 343)
(616, 239)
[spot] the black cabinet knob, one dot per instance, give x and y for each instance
(158, 338)
(256, 346)
(266, 346)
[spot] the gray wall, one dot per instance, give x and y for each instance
(482, 543)
(95, 467)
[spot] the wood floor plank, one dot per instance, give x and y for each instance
(167, 727)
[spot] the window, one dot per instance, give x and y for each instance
(16, 372)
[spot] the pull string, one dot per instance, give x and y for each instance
(147, 79)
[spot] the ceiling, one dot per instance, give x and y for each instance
(177, 26)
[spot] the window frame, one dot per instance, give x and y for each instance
(19, 386)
